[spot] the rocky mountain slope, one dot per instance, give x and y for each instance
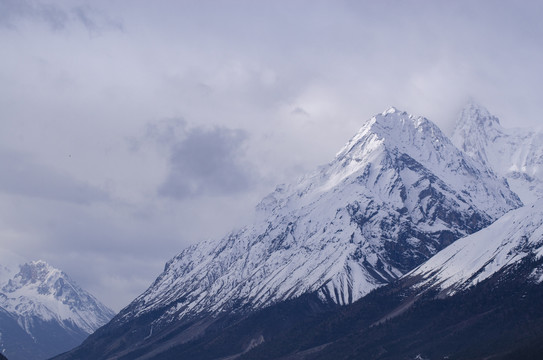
(396, 194)
(43, 312)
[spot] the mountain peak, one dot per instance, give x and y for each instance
(37, 270)
(476, 114)
(390, 110)
(34, 272)
(394, 121)
(40, 284)
(475, 128)
(397, 131)
(44, 311)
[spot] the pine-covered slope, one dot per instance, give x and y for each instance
(397, 193)
(516, 154)
(43, 312)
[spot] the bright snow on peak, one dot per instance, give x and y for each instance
(395, 129)
(390, 110)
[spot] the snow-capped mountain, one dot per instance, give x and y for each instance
(397, 193)
(43, 312)
(516, 154)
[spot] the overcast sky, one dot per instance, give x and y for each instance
(132, 129)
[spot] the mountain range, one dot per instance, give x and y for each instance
(396, 194)
(400, 221)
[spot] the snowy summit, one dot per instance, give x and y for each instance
(44, 312)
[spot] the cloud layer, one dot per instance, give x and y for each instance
(20, 175)
(131, 129)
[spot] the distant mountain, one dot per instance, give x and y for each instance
(396, 194)
(43, 312)
(516, 154)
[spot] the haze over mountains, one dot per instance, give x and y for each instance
(393, 197)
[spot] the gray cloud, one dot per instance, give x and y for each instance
(166, 132)
(299, 111)
(207, 162)
(55, 16)
(12, 11)
(94, 20)
(21, 175)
